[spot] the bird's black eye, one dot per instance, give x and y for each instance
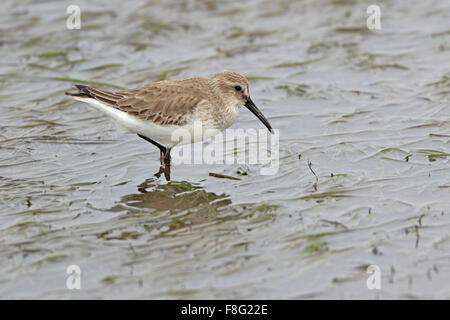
(237, 88)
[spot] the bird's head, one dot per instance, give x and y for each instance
(233, 87)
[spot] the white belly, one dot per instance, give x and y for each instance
(166, 135)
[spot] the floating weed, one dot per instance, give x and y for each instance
(257, 219)
(318, 47)
(430, 124)
(93, 15)
(298, 90)
(149, 228)
(433, 155)
(129, 235)
(183, 185)
(392, 159)
(315, 236)
(102, 235)
(343, 2)
(33, 212)
(258, 78)
(238, 32)
(264, 208)
(55, 258)
(239, 49)
(121, 183)
(106, 66)
(40, 122)
(315, 185)
(222, 176)
(97, 83)
(385, 151)
(33, 42)
(387, 66)
(297, 64)
(242, 244)
(53, 54)
(230, 12)
(316, 247)
(175, 224)
(326, 194)
(162, 76)
(109, 279)
(124, 236)
(439, 135)
(359, 29)
(335, 175)
(440, 83)
(338, 280)
(155, 27)
(71, 63)
(84, 184)
(181, 292)
(40, 66)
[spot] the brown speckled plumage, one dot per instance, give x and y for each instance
(172, 102)
(155, 111)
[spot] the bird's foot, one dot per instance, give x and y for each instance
(167, 159)
(165, 170)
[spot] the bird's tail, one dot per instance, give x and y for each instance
(84, 92)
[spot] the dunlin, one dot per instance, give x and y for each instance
(156, 110)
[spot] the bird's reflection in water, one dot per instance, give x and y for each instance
(164, 170)
(199, 206)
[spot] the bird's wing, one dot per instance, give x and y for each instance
(164, 102)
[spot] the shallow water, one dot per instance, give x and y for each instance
(368, 109)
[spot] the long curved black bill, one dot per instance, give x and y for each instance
(254, 109)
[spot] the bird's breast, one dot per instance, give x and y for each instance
(217, 117)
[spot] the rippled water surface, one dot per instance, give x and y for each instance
(368, 109)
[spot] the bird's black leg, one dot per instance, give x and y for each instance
(161, 157)
(167, 157)
(160, 146)
(164, 157)
(162, 149)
